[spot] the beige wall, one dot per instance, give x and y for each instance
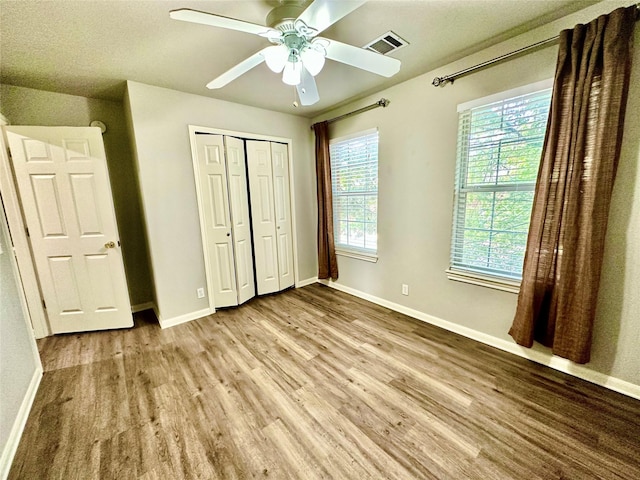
(417, 154)
(26, 106)
(160, 119)
(19, 362)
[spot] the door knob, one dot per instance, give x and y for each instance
(110, 245)
(228, 234)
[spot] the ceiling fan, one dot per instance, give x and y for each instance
(297, 51)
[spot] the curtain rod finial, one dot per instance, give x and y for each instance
(441, 81)
(383, 102)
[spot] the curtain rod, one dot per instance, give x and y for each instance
(438, 81)
(383, 102)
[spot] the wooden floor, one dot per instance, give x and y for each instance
(314, 383)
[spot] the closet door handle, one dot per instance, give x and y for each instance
(228, 234)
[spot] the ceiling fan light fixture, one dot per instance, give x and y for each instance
(276, 57)
(292, 73)
(313, 60)
(297, 51)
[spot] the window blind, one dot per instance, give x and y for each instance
(498, 154)
(354, 178)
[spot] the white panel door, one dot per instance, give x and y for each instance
(212, 178)
(262, 214)
(282, 207)
(64, 188)
(239, 206)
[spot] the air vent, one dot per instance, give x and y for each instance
(387, 43)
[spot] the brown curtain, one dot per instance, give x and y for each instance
(327, 261)
(557, 300)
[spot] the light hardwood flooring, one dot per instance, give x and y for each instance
(313, 383)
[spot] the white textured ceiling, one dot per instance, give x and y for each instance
(91, 47)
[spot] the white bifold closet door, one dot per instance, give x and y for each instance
(268, 167)
(224, 208)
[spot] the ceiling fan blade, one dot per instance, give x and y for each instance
(321, 14)
(361, 58)
(307, 89)
(234, 72)
(204, 18)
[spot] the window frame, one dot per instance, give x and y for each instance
(469, 274)
(370, 255)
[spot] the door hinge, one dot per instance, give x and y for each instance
(26, 230)
(44, 305)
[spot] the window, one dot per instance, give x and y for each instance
(499, 147)
(354, 178)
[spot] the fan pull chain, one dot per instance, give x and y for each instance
(295, 97)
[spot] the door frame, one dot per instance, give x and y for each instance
(15, 220)
(193, 129)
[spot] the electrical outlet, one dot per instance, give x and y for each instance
(201, 292)
(405, 289)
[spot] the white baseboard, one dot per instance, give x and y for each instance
(308, 281)
(15, 434)
(142, 306)
(536, 354)
(172, 322)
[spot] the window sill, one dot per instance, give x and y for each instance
(511, 286)
(367, 257)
